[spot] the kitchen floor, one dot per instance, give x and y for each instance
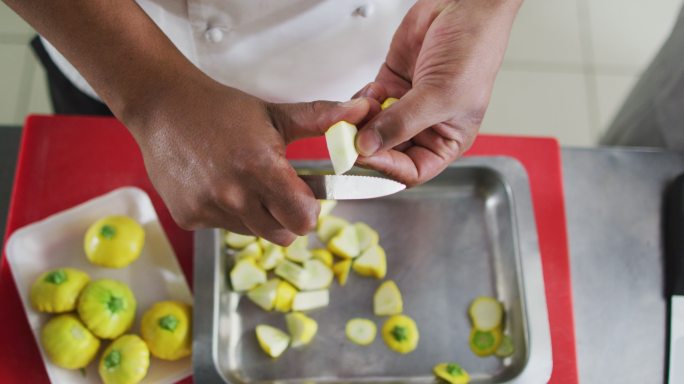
(569, 65)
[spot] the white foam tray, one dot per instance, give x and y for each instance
(57, 241)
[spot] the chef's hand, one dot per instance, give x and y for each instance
(217, 157)
(215, 154)
(442, 63)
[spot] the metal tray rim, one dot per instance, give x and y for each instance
(538, 366)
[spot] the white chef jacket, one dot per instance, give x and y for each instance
(278, 50)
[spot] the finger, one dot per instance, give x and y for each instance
(417, 110)
(447, 148)
(403, 146)
(373, 109)
(374, 90)
(401, 167)
(260, 221)
(290, 200)
(300, 120)
(416, 163)
(220, 218)
(394, 164)
(254, 220)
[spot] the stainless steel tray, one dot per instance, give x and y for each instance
(469, 232)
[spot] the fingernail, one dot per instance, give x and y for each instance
(353, 102)
(368, 141)
(369, 91)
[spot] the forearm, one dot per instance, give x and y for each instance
(117, 48)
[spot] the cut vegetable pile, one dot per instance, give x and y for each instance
(297, 278)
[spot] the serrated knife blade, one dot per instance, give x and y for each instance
(350, 187)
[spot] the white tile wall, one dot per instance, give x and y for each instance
(568, 66)
(12, 57)
(39, 101)
(626, 34)
(546, 32)
(611, 91)
(540, 104)
(11, 24)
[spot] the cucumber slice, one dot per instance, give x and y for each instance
(306, 301)
(272, 340)
(506, 347)
(486, 313)
(387, 300)
(361, 331)
(484, 343)
(340, 138)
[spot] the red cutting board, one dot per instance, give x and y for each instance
(65, 161)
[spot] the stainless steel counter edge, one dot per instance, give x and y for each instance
(613, 200)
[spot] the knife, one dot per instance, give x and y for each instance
(350, 187)
(674, 277)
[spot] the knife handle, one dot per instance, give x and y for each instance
(674, 237)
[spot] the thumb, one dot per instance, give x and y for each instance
(299, 120)
(417, 110)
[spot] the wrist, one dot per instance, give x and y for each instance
(511, 5)
(144, 106)
(498, 8)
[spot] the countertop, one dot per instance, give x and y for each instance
(613, 202)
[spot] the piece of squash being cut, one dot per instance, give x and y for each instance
(340, 138)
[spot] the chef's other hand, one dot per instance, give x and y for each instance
(442, 63)
(217, 158)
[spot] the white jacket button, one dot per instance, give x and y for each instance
(364, 10)
(214, 34)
